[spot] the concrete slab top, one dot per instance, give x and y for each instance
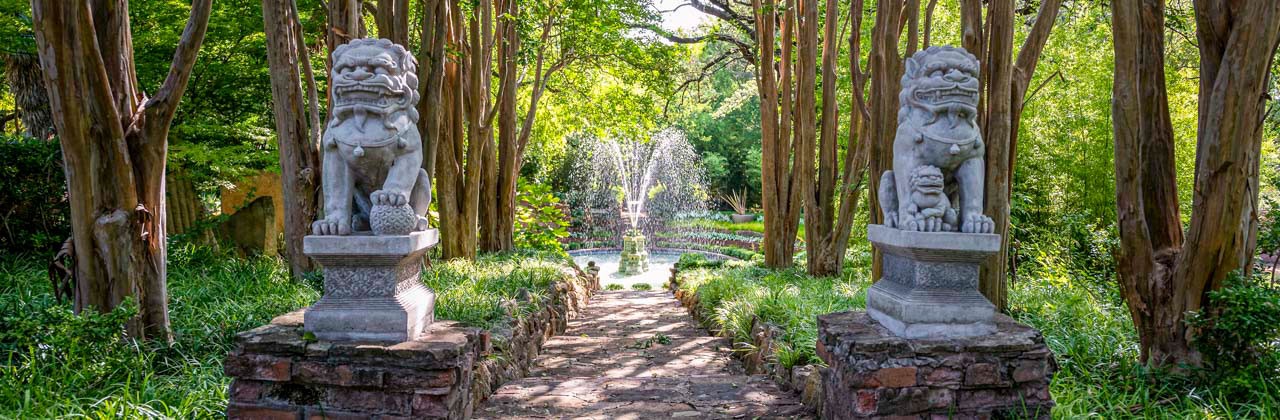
(941, 241)
(365, 243)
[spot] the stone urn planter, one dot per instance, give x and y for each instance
(743, 218)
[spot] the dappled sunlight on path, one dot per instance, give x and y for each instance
(637, 354)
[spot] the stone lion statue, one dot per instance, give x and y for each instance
(373, 176)
(937, 127)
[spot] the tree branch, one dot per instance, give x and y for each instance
(166, 99)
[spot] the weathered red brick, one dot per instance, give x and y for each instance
(246, 391)
(408, 379)
(1029, 370)
(320, 413)
(981, 398)
(237, 411)
(903, 401)
(941, 398)
(368, 401)
(868, 401)
(258, 367)
(980, 374)
(897, 377)
(822, 352)
(337, 374)
(944, 377)
(430, 405)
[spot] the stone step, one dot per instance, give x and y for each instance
(715, 397)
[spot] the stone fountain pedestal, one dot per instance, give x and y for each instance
(635, 258)
(372, 289)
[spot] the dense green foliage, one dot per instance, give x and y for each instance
(1086, 327)
(34, 216)
(540, 221)
(484, 292)
(1239, 332)
(56, 364)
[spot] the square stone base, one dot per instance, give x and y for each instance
(278, 373)
(372, 289)
(875, 374)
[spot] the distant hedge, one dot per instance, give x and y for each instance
(35, 215)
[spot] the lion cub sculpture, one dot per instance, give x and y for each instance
(373, 176)
(938, 150)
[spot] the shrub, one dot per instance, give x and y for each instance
(1237, 333)
(735, 294)
(642, 286)
(34, 208)
(693, 260)
(540, 222)
(483, 292)
(614, 286)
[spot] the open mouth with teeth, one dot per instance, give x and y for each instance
(948, 95)
(371, 97)
(929, 183)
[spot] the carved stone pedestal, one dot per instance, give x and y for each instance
(930, 283)
(278, 373)
(875, 374)
(372, 290)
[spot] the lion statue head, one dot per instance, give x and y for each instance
(940, 84)
(927, 179)
(374, 77)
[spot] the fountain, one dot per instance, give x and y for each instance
(635, 259)
(638, 180)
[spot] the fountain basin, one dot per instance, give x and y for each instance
(661, 260)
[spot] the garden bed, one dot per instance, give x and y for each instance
(56, 364)
(1087, 328)
(764, 313)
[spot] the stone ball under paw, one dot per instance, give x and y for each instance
(392, 220)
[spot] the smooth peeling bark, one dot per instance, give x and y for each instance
(1162, 278)
(297, 127)
(883, 124)
(114, 142)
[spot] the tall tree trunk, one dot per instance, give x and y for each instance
(431, 59)
(392, 20)
(1162, 275)
(465, 135)
(499, 227)
(114, 144)
(26, 84)
(783, 132)
(828, 228)
(886, 72)
(297, 129)
(1003, 83)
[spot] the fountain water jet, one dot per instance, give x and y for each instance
(633, 178)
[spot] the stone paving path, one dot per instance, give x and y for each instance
(633, 355)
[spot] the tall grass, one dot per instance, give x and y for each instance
(481, 293)
(54, 364)
(1084, 323)
(57, 364)
(731, 297)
